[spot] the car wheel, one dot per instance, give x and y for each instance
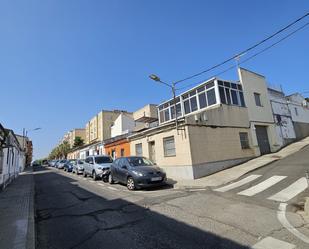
(94, 176)
(130, 183)
(110, 179)
(84, 174)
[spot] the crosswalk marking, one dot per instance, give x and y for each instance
(291, 191)
(262, 186)
(238, 183)
(272, 243)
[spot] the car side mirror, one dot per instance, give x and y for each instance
(124, 167)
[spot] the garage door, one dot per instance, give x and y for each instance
(262, 138)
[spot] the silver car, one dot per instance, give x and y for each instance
(60, 164)
(97, 166)
(78, 166)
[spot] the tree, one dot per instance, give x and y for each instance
(61, 151)
(78, 141)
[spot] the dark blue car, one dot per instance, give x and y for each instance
(136, 172)
(68, 166)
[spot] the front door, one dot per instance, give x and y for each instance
(262, 138)
(152, 151)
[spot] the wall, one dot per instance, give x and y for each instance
(301, 130)
(221, 145)
(108, 119)
(255, 83)
(282, 117)
(117, 146)
(10, 162)
(177, 167)
(258, 115)
(296, 101)
(124, 123)
(146, 111)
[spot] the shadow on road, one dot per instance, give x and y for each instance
(68, 216)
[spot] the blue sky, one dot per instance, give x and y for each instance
(63, 61)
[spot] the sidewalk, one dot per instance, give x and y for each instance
(235, 172)
(17, 213)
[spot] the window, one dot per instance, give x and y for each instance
(222, 95)
(122, 152)
(257, 98)
(242, 99)
(169, 146)
(296, 111)
(139, 149)
(193, 103)
(167, 110)
(244, 140)
(103, 159)
(202, 100)
(234, 97)
(211, 96)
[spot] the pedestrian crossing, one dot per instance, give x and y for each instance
(272, 243)
(284, 195)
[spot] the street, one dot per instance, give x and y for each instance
(76, 212)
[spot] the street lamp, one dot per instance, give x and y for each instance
(172, 86)
(25, 133)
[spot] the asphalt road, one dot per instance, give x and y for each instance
(74, 212)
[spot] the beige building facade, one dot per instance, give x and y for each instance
(262, 125)
(207, 142)
(220, 124)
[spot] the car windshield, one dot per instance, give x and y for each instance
(139, 161)
(103, 159)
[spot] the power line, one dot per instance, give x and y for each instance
(252, 56)
(244, 51)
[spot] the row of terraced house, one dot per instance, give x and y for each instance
(15, 155)
(220, 123)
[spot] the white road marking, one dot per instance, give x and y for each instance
(101, 184)
(283, 220)
(238, 183)
(272, 243)
(262, 186)
(291, 191)
(196, 189)
(112, 188)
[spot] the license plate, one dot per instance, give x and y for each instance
(156, 178)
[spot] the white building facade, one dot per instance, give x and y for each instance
(282, 116)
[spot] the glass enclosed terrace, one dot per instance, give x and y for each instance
(203, 96)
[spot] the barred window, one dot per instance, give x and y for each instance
(169, 146)
(244, 140)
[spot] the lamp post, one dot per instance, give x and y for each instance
(25, 133)
(172, 87)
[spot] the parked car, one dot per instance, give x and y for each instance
(136, 172)
(35, 163)
(55, 163)
(60, 164)
(44, 163)
(68, 165)
(97, 167)
(78, 166)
